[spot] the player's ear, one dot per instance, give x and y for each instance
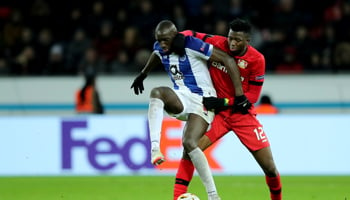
(178, 44)
(247, 38)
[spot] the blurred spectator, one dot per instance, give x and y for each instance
(56, 64)
(304, 47)
(145, 20)
(87, 99)
(4, 69)
(179, 17)
(207, 17)
(90, 62)
(76, 22)
(289, 64)
(76, 50)
(342, 57)
(25, 63)
(121, 21)
(273, 47)
(221, 27)
(141, 59)
(236, 9)
(131, 43)
(107, 45)
(265, 106)
(42, 49)
(13, 28)
(342, 28)
(257, 40)
(26, 38)
(5, 12)
(95, 18)
(285, 16)
(40, 13)
(193, 8)
(122, 64)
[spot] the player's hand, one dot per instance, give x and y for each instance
(214, 103)
(138, 83)
(178, 44)
(241, 104)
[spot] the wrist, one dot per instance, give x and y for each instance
(142, 75)
(228, 102)
(240, 98)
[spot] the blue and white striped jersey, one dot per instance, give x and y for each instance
(190, 71)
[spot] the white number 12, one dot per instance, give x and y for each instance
(259, 132)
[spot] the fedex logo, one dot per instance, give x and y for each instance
(121, 147)
(69, 143)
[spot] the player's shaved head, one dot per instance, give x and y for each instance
(165, 32)
(166, 27)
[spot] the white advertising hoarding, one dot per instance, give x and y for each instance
(120, 145)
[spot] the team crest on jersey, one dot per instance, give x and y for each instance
(177, 75)
(242, 64)
(183, 58)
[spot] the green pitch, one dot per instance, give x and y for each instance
(160, 188)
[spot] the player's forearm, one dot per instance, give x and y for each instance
(231, 67)
(253, 93)
(235, 75)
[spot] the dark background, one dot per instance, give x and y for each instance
(52, 38)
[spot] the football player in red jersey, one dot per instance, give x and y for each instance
(246, 126)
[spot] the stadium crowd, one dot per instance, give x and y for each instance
(44, 37)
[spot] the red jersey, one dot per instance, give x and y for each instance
(251, 66)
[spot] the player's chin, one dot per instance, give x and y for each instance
(234, 51)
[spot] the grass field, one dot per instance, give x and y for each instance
(160, 188)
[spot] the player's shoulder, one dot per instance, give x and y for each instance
(188, 32)
(218, 37)
(192, 42)
(253, 52)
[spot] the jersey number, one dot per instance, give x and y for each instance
(260, 134)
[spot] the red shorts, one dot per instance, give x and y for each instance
(247, 128)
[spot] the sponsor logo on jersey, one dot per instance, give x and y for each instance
(219, 66)
(177, 75)
(242, 64)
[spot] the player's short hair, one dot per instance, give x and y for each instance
(239, 25)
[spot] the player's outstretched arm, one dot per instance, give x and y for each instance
(137, 85)
(152, 62)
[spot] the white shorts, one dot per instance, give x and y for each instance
(192, 103)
